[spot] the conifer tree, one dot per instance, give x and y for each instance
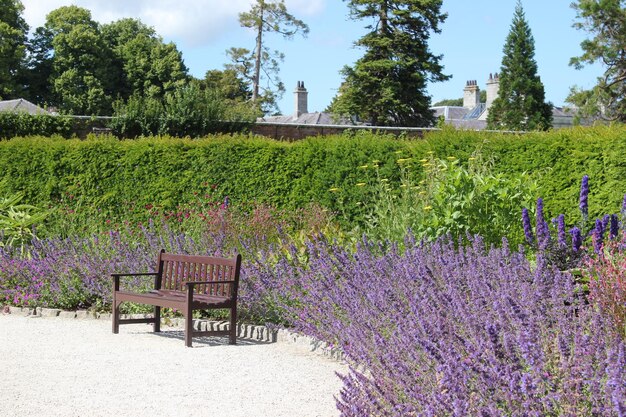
(605, 21)
(387, 86)
(520, 104)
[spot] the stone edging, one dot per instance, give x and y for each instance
(244, 331)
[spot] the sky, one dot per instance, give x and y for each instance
(471, 40)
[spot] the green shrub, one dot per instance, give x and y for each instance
(188, 111)
(13, 124)
(448, 199)
(103, 178)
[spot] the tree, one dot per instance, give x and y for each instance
(77, 61)
(228, 84)
(520, 104)
(605, 20)
(266, 17)
(387, 86)
(143, 63)
(13, 31)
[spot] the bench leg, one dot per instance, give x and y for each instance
(116, 317)
(188, 324)
(157, 319)
(233, 326)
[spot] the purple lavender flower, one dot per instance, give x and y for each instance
(614, 227)
(560, 227)
(528, 229)
(541, 226)
(584, 194)
(623, 211)
(577, 239)
(598, 236)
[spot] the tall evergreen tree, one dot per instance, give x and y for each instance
(521, 101)
(387, 86)
(13, 31)
(606, 21)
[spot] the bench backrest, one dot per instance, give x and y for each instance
(174, 270)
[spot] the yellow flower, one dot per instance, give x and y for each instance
(403, 185)
(376, 161)
(360, 184)
(398, 152)
(451, 158)
(428, 208)
(423, 161)
(334, 190)
(364, 166)
(422, 193)
(384, 180)
(430, 152)
(472, 158)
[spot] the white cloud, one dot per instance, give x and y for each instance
(194, 22)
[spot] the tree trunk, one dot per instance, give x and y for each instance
(257, 58)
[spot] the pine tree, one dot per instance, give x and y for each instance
(521, 98)
(387, 86)
(265, 17)
(605, 20)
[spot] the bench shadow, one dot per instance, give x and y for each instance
(206, 341)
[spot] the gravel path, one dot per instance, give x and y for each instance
(65, 367)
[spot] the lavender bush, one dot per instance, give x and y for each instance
(439, 331)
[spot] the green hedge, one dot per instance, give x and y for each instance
(111, 179)
(14, 124)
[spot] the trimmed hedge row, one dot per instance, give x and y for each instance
(14, 124)
(115, 179)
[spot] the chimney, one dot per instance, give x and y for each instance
(493, 85)
(301, 100)
(471, 94)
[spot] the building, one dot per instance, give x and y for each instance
(21, 105)
(473, 114)
(301, 115)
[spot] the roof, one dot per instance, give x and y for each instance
(21, 105)
(316, 118)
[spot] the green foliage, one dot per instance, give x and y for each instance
(13, 31)
(605, 21)
(520, 104)
(387, 86)
(81, 67)
(17, 222)
(102, 179)
(188, 111)
(80, 62)
(13, 124)
(458, 102)
(449, 199)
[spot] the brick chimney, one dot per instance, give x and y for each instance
(301, 96)
(493, 85)
(471, 94)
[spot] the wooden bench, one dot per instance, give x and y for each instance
(186, 283)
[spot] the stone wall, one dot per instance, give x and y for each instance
(292, 131)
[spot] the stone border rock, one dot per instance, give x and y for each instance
(244, 331)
